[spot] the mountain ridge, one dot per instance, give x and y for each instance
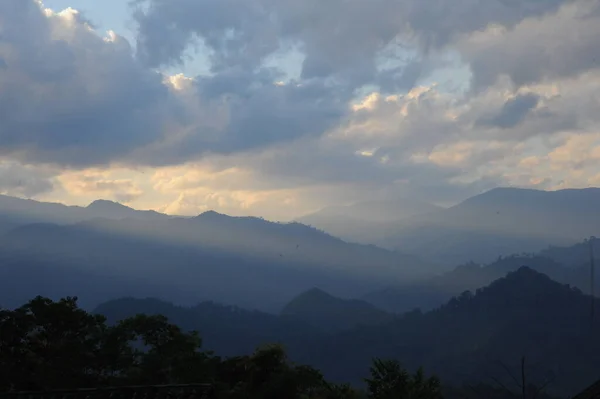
(498, 222)
(567, 265)
(231, 259)
(319, 309)
(524, 313)
(346, 221)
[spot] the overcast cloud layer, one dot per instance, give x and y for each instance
(307, 103)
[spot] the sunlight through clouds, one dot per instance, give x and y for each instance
(293, 113)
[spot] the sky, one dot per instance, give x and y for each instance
(277, 108)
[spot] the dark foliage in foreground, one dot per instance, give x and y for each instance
(46, 345)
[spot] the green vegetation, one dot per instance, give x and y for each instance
(46, 345)
(472, 339)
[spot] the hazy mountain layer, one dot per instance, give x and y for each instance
(433, 292)
(499, 222)
(359, 222)
(467, 340)
(16, 212)
(243, 261)
(328, 313)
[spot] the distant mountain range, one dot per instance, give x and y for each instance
(235, 260)
(358, 221)
(16, 212)
(472, 338)
(499, 222)
(568, 265)
(502, 221)
(255, 263)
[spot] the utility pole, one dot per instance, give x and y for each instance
(592, 282)
(523, 381)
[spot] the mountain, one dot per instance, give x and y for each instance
(358, 221)
(568, 265)
(328, 313)
(499, 222)
(429, 294)
(474, 337)
(113, 210)
(574, 255)
(16, 212)
(248, 262)
(24, 276)
(292, 244)
(227, 330)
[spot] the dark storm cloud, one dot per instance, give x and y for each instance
(339, 38)
(513, 112)
(259, 113)
(70, 97)
(167, 27)
(438, 22)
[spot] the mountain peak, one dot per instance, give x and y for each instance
(314, 297)
(316, 293)
(103, 204)
(211, 214)
(322, 310)
(526, 285)
(524, 276)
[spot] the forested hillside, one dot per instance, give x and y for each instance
(568, 265)
(469, 340)
(46, 345)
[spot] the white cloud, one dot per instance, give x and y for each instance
(93, 184)
(359, 119)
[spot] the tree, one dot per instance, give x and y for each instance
(389, 380)
(268, 373)
(154, 351)
(46, 344)
(56, 345)
(343, 391)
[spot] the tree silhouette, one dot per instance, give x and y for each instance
(47, 345)
(390, 381)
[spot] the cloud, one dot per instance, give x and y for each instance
(197, 187)
(514, 111)
(69, 96)
(431, 144)
(24, 180)
(241, 112)
(276, 205)
(359, 117)
(232, 29)
(338, 37)
(100, 184)
(554, 45)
